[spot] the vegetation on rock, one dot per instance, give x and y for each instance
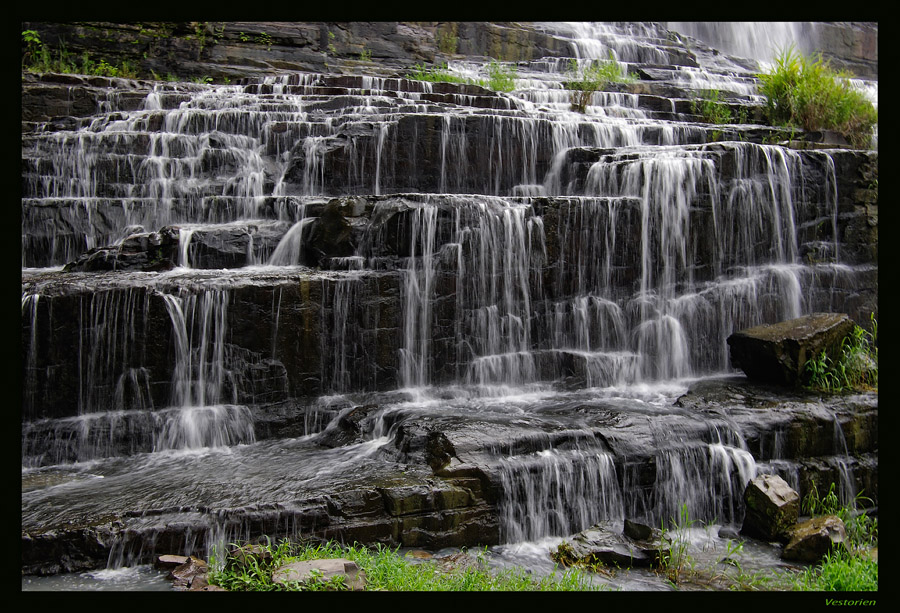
(805, 92)
(853, 569)
(584, 80)
(856, 369)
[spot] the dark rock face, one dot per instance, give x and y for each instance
(777, 353)
(772, 507)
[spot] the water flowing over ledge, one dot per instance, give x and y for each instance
(425, 314)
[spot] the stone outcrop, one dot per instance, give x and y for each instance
(777, 353)
(771, 508)
(810, 540)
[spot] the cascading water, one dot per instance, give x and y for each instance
(354, 261)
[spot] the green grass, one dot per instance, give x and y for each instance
(850, 569)
(840, 572)
(855, 369)
(386, 570)
(805, 92)
(437, 74)
(500, 78)
(584, 81)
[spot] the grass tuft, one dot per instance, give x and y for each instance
(386, 570)
(805, 92)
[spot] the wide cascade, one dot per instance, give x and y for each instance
(274, 306)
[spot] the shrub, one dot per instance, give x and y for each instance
(584, 81)
(501, 78)
(805, 92)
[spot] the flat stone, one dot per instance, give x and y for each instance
(302, 572)
(170, 562)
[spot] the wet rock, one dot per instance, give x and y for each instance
(149, 251)
(607, 545)
(637, 531)
(772, 507)
(812, 539)
(777, 353)
(322, 570)
(184, 575)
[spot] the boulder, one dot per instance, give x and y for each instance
(606, 545)
(325, 570)
(772, 507)
(812, 539)
(185, 575)
(777, 353)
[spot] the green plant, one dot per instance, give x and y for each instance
(862, 530)
(673, 559)
(365, 55)
(438, 74)
(245, 38)
(711, 108)
(386, 570)
(501, 78)
(331, 48)
(447, 41)
(807, 93)
(584, 81)
(264, 40)
(856, 367)
(840, 571)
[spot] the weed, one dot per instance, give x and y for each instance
(840, 571)
(331, 48)
(856, 368)
(501, 78)
(447, 41)
(264, 40)
(365, 55)
(673, 560)
(438, 74)
(584, 81)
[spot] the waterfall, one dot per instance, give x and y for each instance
(759, 40)
(447, 312)
(555, 493)
(199, 322)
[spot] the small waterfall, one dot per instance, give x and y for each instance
(418, 287)
(289, 249)
(199, 322)
(557, 493)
